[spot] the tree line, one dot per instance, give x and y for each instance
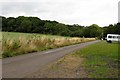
(36, 25)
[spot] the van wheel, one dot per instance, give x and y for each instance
(109, 41)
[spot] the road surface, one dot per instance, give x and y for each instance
(20, 66)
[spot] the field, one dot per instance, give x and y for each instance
(95, 61)
(21, 43)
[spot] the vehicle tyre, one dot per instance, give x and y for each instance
(109, 41)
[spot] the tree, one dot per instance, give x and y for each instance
(96, 31)
(112, 29)
(4, 23)
(93, 31)
(36, 25)
(10, 26)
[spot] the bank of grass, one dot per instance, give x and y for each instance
(101, 60)
(21, 43)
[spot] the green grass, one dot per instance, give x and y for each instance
(16, 35)
(101, 60)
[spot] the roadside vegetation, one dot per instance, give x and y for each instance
(22, 43)
(99, 60)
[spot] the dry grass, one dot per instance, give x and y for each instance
(66, 67)
(22, 45)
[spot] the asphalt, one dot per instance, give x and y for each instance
(22, 65)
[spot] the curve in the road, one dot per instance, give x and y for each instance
(20, 66)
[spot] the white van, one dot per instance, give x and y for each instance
(113, 38)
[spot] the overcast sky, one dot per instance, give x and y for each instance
(82, 12)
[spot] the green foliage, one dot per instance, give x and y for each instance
(93, 31)
(112, 29)
(36, 25)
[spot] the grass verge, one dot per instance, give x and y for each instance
(101, 60)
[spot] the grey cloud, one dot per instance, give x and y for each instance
(84, 12)
(26, 7)
(119, 11)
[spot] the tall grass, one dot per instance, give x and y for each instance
(23, 44)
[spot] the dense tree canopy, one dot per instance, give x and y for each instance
(112, 29)
(36, 25)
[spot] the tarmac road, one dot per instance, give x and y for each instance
(20, 66)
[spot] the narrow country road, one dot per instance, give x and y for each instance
(20, 66)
